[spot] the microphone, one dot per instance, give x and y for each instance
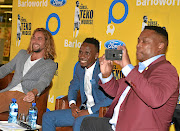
(24, 125)
(83, 106)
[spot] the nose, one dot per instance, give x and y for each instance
(139, 44)
(81, 55)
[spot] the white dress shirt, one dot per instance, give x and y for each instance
(88, 87)
(76, 16)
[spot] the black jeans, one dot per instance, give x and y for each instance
(96, 124)
(176, 118)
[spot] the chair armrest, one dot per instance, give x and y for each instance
(102, 111)
(5, 81)
(62, 103)
(41, 103)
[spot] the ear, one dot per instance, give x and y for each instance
(97, 55)
(161, 46)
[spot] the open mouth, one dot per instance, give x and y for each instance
(35, 45)
(82, 61)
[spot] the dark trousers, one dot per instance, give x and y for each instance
(6, 98)
(96, 124)
(176, 118)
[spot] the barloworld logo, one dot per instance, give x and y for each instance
(113, 44)
(58, 3)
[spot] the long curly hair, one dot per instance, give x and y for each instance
(50, 52)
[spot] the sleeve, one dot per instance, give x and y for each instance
(158, 87)
(72, 102)
(105, 80)
(105, 102)
(113, 86)
(110, 85)
(74, 86)
(10, 66)
(46, 78)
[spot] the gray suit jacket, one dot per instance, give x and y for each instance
(39, 75)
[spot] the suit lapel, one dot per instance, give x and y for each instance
(83, 72)
(145, 73)
(95, 77)
(96, 71)
(23, 63)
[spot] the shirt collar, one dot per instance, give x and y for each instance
(90, 69)
(146, 63)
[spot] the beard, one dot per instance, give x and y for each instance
(37, 50)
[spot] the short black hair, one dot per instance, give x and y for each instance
(92, 41)
(144, 16)
(160, 30)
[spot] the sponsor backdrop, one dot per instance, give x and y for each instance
(112, 22)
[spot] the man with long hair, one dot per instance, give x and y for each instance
(33, 69)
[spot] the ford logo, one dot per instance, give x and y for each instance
(113, 44)
(58, 3)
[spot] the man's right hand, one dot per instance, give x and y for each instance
(74, 110)
(125, 57)
(106, 66)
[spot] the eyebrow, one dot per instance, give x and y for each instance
(143, 37)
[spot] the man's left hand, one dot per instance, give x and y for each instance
(83, 113)
(29, 97)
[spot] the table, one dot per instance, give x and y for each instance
(5, 126)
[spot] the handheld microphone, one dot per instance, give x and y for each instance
(24, 125)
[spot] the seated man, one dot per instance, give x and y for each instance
(146, 98)
(86, 80)
(34, 69)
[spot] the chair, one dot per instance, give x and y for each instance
(63, 103)
(103, 110)
(41, 101)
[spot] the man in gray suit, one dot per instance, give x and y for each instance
(33, 69)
